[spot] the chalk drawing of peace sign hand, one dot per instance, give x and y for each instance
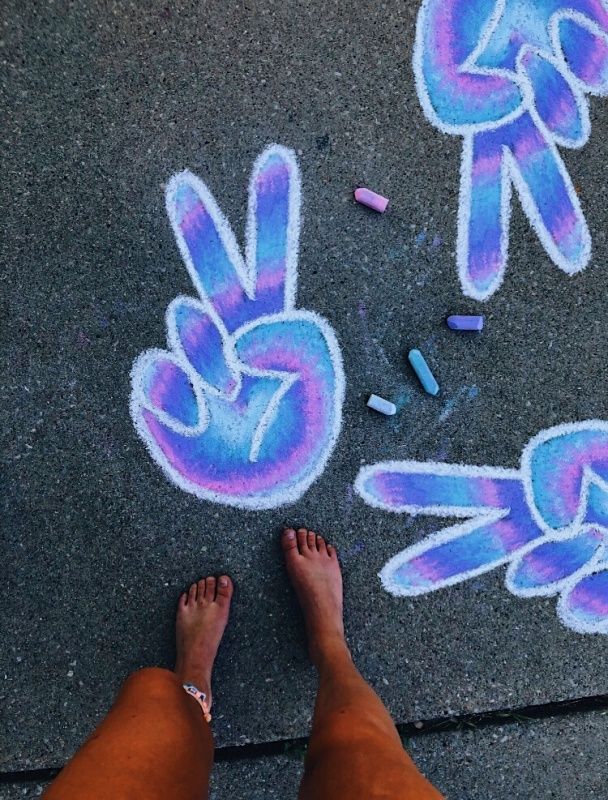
(244, 407)
(510, 77)
(548, 521)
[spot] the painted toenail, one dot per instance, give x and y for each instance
(224, 581)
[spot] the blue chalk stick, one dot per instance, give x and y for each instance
(421, 368)
(462, 323)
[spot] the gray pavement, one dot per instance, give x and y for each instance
(560, 758)
(103, 103)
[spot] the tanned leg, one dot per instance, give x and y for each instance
(354, 750)
(155, 743)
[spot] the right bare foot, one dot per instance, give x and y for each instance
(313, 568)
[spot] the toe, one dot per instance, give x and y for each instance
(224, 588)
(321, 547)
(183, 599)
(331, 551)
(288, 540)
(312, 540)
(201, 590)
(210, 589)
(302, 543)
(192, 594)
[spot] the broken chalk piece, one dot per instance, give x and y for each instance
(465, 323)
(422, 370)
(382, 405)
(370, 199)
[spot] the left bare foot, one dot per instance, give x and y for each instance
(202, 615)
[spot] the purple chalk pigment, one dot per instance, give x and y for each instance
(464, 323)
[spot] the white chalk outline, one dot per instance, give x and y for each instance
(247, 274)
(510, 173)
(477, 517)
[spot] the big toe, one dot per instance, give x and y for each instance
(288, 540)
(224, 589)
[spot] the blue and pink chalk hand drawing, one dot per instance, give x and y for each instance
(547, 520)
(510, 77)
(244, 407)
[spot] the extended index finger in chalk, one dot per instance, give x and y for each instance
(208, 247)
(438, 489)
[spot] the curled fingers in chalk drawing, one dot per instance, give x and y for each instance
(511, 78)
(548, 521)
(244, 407)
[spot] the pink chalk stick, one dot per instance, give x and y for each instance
(370, 199)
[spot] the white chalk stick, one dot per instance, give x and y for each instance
(382, 405)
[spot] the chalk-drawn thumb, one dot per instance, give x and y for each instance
(558, 102)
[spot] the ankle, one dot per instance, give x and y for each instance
(329, 650)
(189, 672)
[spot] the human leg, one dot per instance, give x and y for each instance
(354, 749)
(155, 742)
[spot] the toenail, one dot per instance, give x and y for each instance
(290, 533)
(223, 581)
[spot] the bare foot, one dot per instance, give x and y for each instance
(313, 567)
(202, 615)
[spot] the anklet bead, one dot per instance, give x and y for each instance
(200, 697)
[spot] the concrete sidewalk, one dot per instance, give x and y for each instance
(104, 103)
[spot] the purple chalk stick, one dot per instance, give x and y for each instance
(461, 323)
(370, 199)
